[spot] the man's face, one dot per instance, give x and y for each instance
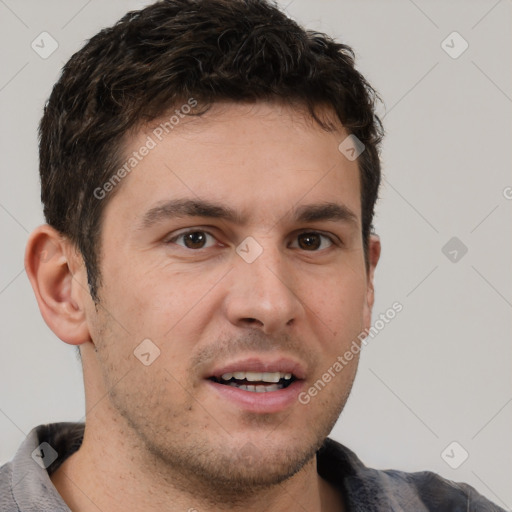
(281, 288)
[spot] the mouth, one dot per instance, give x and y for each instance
(256, 382)
(258, 386)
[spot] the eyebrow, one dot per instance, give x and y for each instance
(325, 212)
(189, 208)
(179, 208)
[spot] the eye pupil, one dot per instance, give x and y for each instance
(309, 241)
(194, 240)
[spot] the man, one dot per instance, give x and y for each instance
(209, 173)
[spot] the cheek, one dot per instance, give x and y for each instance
(339, 304)
(150, 301)
(154, 398)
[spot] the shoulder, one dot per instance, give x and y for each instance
(373, 489)
(25, 484)
(437, 493)
(7, 502)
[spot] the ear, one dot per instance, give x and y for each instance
(374, 249)
(57, 273)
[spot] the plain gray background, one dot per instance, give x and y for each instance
(441, 370)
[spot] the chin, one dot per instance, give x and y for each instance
(255, 467)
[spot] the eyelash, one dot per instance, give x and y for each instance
(184, 233)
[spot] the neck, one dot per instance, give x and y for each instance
(110, 472)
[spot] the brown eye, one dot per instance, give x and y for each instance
(309, 241)
(192, 239)
(312, 241)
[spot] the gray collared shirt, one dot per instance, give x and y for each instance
(25, 484)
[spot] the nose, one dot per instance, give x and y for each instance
(261, 293)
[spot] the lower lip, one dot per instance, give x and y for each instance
(269, 402)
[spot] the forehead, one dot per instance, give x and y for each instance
(259, 159)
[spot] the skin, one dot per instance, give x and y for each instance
(158, 437)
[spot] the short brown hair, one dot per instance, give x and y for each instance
(156, 58)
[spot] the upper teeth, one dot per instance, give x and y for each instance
(258, 376)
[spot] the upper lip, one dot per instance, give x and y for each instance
(256, 364)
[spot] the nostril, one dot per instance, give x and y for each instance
(251, 323)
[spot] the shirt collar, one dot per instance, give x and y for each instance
(42, 452)
(47, 446)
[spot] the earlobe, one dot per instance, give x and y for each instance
(55, 273)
